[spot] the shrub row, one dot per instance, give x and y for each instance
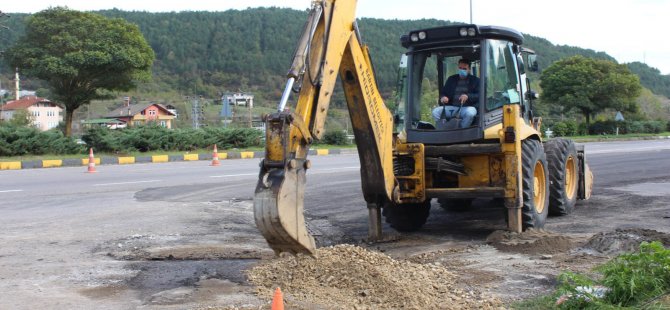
(19, 140)
(335, 137)
(571, 128)
(625, 127)
(566, 128)
(156, 138)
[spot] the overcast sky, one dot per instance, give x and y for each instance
(628, 30)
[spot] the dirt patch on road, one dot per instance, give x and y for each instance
(347, 276)
(201, 252)
(530, 242)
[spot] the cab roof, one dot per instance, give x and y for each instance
(442, 35)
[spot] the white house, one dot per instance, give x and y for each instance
(43, 113)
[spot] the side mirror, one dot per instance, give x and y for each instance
(532, 63)
(404, 40)
(532, 95)
(522, 67)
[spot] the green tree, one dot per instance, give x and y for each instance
(82, 56)
(590, 86)
(20, 118)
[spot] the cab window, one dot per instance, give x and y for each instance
(502, 84)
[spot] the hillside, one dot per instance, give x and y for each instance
(209, 53)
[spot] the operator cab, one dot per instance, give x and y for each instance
(494, 56)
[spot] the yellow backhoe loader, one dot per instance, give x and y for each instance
(407, 158)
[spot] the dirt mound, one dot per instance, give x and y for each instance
(350, 277)
(531, 241)
(625, 240)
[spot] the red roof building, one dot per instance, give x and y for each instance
(143, 114)
(43, 113)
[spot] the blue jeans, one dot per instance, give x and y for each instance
(467, 114)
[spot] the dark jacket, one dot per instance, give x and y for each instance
(450, 87)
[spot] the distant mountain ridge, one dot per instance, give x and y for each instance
(250, 50)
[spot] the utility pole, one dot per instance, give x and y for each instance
(197, 117)
(250, 123)
(16, 86)
(471, 11)
(2, 14)
(194, 113)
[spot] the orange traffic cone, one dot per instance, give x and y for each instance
(278, 300)
(215, 157)
(91, 161)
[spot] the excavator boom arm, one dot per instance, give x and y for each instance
(329, 45)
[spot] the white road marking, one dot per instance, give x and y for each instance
(317, 171)
(123, 183)
(12, 191)
(625, 150)
(232, 175)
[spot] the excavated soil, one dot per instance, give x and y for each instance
(351, 277)
(531, 241)
(624, 240)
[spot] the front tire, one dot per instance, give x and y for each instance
(563, 185)
(407, 217)
(535, 183)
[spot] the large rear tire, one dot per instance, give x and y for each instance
(535, 183)
(563, 176)
(407, 217)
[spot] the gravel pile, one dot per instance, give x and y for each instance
(350, 277)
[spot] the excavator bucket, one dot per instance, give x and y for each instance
(588, 181)
(278, 209)
(585, 175)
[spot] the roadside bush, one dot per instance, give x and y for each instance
(20, 140)
(156, 138)
(560, 129)
(607, 127)
(55, 142)
(625, 127)
(653, 126)
(633, 127)
(565, 128)
(573, 127)
(582, 129)
(637, 276)
(336, 137)
(143, 138)
(16, 139)
(102, 139)
(186, 139)
(228, 138)
(629, 281)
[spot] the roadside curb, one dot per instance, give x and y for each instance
(125, 160)
(613, 139)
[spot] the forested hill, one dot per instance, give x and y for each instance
(250, 50)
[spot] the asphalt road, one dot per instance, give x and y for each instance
(71, 239)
